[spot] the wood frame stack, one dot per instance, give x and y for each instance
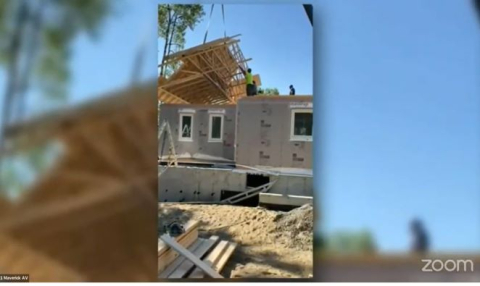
(213, 252)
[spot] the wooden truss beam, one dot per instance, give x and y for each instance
(211, 44)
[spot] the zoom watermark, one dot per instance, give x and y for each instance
(450, 265)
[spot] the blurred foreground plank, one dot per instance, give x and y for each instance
(94, 213)
(19, 259)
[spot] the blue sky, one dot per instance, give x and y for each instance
(278, 38)
(401, 122)
(107, 63)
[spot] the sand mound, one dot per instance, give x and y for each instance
(296, 227)
(271, 243)
(247, 225)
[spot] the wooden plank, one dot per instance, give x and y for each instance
(189, 227)
(179, 260)
(218, 267)
(220, 41)
(211, 259)
(165, 96)
(199, 263)
(166, 255)
(187, 265)
(282, 199)
(181, 80)
(170, 255)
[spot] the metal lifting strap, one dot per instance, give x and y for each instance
(208, 24)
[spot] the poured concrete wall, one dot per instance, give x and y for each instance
(200, 147)
(194, 184)
(263, 132)
(189, 184)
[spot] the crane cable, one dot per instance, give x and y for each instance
(224, 26)
(208, 24)
(210, 19)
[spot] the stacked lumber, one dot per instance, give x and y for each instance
(193, 256)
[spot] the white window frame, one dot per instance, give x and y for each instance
(294, 137)
(210, 128)
(180, 137)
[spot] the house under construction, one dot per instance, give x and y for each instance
(224, 147)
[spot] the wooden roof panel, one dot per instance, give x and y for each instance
(208, 74)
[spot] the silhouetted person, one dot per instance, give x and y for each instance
(292, 90)
(420, 242)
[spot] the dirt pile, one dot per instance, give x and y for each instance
(247, 225)
(296, 227)
(270, 243)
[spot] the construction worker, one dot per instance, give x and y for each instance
(292, 90)
(420, 241)
(249, 80)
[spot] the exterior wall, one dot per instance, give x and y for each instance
(263, 132)
(200, 147)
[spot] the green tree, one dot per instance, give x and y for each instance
(351, 243)
(173, 22)
(319, 241)
(37, 37)
(36, 40)
(268, 91)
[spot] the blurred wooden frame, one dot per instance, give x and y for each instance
(98, 198)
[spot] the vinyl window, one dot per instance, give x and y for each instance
(215, 130)
(302, 125)
(186, 127)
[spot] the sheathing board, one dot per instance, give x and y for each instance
(200, 146)
(256, 132)
(264, 129)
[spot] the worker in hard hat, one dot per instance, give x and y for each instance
(249, 81)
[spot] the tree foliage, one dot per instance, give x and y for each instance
(173, 23)
(36, 40)
(268, 91)
(350, 243)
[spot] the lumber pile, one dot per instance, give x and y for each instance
(210, 255)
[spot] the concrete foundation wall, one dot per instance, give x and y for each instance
(264, 132)
(200, 147)
(193, 184)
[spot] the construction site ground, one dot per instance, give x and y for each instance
(271, 244)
